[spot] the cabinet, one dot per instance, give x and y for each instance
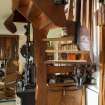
(69, 98)
(61, 58)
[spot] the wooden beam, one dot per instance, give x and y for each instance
(15, 4)
(49, 8)
(41, 71)
(32, 9)
(78, 11)
(41, 21)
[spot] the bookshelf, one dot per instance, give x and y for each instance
(57, 64)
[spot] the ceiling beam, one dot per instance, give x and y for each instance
(32, 9)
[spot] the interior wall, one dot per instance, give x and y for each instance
(5, 12)
(5, 8)
(8, 103)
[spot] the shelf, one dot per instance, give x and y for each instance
(61, 84)
(66, 51)
(63, 87)
(59, 39)
(59, 69)
(65, 61)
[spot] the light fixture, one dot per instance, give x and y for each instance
(101, 1)
(60, 2)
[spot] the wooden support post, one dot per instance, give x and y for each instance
(41, 89)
